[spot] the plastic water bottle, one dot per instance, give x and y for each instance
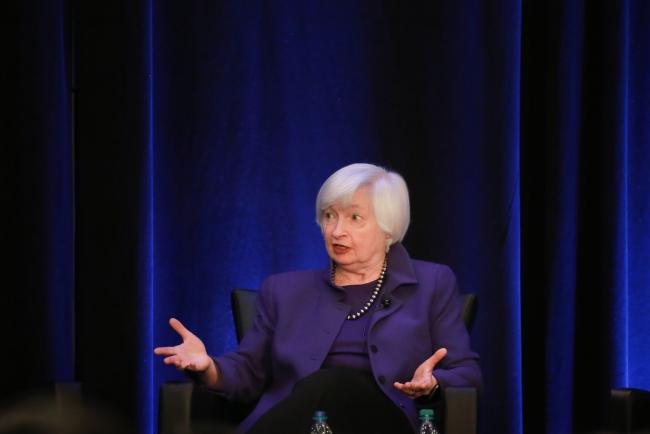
(427, 426)
(319, 425)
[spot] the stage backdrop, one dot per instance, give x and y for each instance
(159, 153)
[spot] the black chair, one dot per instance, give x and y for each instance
(629, 411)
(185, 408)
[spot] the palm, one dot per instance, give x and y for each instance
(190, 354)
(423, 382)
(422, 375)
(193, 352)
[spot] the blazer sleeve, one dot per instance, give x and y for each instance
(460, 367)
(246, 371)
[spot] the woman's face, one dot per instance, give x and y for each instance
(353, 238)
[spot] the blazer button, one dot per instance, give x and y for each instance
(381, 379)
(373, 348)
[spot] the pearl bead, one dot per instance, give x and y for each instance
(373, 296)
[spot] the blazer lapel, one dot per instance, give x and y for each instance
(400, 272)
(329, 315)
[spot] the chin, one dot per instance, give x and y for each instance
(335, 257)
(342, 259)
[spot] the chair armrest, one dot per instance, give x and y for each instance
(211, 409)
(460, 410)
(630, 410)
(174, 408)
(185, 407)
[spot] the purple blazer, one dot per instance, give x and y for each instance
(299, 315)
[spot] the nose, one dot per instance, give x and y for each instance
(339, 228)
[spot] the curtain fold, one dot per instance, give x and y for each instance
(114, 226)
(37, 176)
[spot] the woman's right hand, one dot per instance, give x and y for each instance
(190, 355)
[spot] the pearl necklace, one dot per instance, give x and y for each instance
(373, 297)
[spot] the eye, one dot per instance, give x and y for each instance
(356, 217)
(328, 215)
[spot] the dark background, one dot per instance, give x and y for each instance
(158, 153)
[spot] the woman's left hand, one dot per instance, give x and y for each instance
(423, 381)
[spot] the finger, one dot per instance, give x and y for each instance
(177, 362)
(165, 351)
(180, 328)
(191, 366)
(418, 387)
(405, 388)
(412, 392)
(415, 387)
(180, 364)
(402, 389)
(437, 357)
(173, 360)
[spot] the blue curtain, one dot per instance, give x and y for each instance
(161, 153)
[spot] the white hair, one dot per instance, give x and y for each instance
(390, 196)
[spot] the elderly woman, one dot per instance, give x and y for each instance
(368, 339)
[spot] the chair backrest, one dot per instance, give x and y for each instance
(243, 310)
(470, 304)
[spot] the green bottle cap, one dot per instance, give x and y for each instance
(426, 412)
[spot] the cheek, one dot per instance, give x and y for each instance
(376, 240)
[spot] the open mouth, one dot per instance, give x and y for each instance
(339, 249)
